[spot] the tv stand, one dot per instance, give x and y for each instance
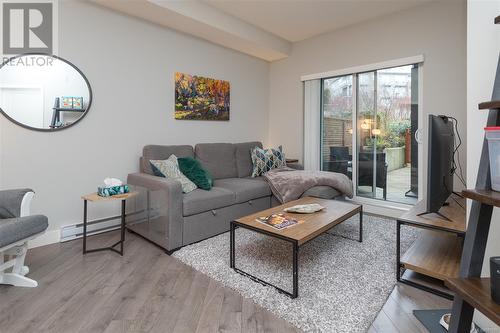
(437, 213)
(436, 252)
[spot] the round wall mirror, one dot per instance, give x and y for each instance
(43, 92)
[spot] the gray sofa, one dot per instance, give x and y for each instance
(164, 215)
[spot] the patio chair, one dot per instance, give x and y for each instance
(340, 161)
(17, 227)
(365, 173)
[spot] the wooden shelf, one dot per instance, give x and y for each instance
(426, 281)
(476, 292)
(94, 197)
(489, 105)
(488, 197)
(436, 254)
(455, 212)
(69, 110)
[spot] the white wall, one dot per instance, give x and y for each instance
(436, 30)
(130, 65)
(483, 50)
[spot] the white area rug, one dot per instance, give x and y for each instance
(343, 284)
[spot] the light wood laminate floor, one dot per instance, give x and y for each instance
(148, 291)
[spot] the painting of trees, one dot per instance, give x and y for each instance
(201, 98)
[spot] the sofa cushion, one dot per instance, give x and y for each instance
(245, 188)
(244, 157)
(324, 192)
(157, 152)
(193, 169)
(200, 201)
(15, 229)
(218, 158)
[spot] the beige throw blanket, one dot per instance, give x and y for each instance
(289, 184)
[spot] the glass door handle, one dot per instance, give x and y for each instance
(418, 136)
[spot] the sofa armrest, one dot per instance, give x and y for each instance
(167, 193)
(296, 166)
(154, 183)
(15, 203)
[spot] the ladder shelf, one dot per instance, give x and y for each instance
(472, 291)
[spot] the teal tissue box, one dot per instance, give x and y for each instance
(113, 190)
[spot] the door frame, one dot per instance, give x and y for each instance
(354, 136)
(421, 146)
(26, 87)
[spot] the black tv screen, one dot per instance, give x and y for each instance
(440, 162)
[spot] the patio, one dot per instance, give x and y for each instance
(398, 183)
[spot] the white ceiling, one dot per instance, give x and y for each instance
(296, 20)
(199, 19)
(262, 28)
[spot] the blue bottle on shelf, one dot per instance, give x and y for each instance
(495, 278)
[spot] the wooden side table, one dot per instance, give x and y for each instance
(94, 197)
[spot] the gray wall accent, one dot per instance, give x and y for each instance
(130, 65)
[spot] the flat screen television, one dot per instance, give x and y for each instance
(440, 164)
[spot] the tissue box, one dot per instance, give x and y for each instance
(113, 190)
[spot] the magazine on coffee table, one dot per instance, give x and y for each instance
(279, 221)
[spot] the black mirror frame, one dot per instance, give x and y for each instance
(50, 129)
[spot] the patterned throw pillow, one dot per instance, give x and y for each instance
(169, 168)
(264, 160)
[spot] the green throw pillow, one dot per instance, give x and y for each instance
(193, 169)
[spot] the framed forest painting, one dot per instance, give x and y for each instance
(201, 98)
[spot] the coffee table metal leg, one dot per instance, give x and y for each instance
(231, 250)
(361, 225)
(295, 249)
(295, 270)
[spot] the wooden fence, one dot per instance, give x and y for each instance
(336, 133)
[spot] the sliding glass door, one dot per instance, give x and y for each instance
(337, 133)
(368, 157)
(382, 107)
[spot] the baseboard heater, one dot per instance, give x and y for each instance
(99, 226)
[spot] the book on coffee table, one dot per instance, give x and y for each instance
(279, 221)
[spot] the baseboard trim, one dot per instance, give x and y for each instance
(49, 237)
(381, 208)
(54, 236)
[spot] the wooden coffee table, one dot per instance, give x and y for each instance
(315, 224)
